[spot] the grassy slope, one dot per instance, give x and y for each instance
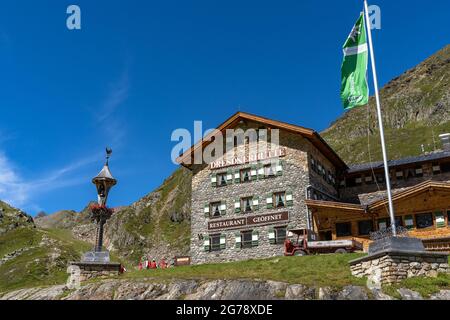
(318, 270)
(44, 263)
(415, 109)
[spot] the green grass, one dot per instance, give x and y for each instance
(424, 286)
(32, 267)
(318, 270)
(356, 150)
(19, 238)
(35, 267)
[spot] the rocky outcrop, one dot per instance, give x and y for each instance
(12, 218)
(147, 289)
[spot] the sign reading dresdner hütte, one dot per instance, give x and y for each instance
(253, 220)
(279, 152)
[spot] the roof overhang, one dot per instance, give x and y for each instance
(342, 206)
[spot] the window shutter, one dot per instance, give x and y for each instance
(237, 237)
(253, 172)
(237, 176)
(440, 220)
(206, 243)
(206, 210)
(260, 171)
(279, 167)
(409, 222)
(255, 238)
(272, 235)
(229, 176)
(237, 205)
(269, 201)
(223, 208)
(255, 203)
(214, 180)
(223, 241)
(289, 199)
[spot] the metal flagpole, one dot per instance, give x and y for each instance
(380, 120)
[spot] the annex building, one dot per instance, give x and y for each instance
(245, 201)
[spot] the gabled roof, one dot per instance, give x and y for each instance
(412, 191)
(232, 122)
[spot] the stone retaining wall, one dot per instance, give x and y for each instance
(392, 267)
(80, 272)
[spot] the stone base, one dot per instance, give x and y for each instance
(391, 266)
(83, 271)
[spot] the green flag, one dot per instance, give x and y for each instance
(354, 88)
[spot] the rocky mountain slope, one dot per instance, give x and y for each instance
(157, 225)
(416, 109)
(148, 289)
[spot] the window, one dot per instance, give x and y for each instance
(440, 220)
(418, 171)
(385, 223)
(313, 165)
(269, 170)
(215, 242)
(368, 179)
(280, 234)
(245, 175)
(344, 229)
(222, 179)
(409, 222)
(280, 199)
(436, 168)
(380, 178)
(424, 220)
(399, 175)
(358, 181)
(247, 204)
(215, 209)
(365, 227)
(246, 239)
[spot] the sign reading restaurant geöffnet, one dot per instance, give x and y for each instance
(260, 156)
(263, 219)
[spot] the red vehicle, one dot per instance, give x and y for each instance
(304, 245)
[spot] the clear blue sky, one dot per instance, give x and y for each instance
(137, 70)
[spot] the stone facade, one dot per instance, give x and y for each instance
(392, 267)
(295, 179)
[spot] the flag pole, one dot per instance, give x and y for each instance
(380, 120)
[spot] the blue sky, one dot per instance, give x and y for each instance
(137, 70)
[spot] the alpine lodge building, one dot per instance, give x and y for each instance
(245, 202)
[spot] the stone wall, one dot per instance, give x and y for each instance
(80, 272)
(392, 267)
(295, 178)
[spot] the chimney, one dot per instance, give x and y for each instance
(445, 138)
